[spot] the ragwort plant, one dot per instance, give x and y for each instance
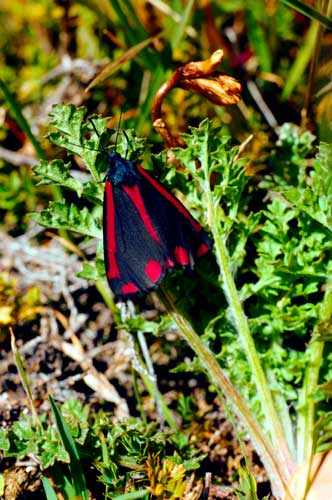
(272, 244)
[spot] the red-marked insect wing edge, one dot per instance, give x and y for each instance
(147, 231)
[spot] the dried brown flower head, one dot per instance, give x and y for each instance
(199, 77)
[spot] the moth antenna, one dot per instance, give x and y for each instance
(94, 126)
(81, 146)
(88, 147)
(97, 134)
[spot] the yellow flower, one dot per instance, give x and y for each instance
(5, 315)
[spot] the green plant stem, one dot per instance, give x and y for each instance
(25, 381)
(272, 420)
(154, 393)
(274, 468)
(144, 368)
(282, 410)
(306, 410)
(306, 418)
(150, 381)
(242, 327)
(104, 291)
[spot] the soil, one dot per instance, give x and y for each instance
(71, 349)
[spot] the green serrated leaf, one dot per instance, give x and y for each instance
(211, 147)
(77, 419)
(60, 215)
(193, 463)
(316, 199)
(141, 324)
(90, 138)
(57, 172)
(90, 272)
(94, 192)
(68, 119)
(23, 430)
(52, 450)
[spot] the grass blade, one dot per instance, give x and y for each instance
(309, 11)
(20, 119)
(258, 38)
(295, 74)
(135, 31)
(181, 26)
(113, 66)
(25, 127)
(24, 379)
(49, 491)
(68, 442)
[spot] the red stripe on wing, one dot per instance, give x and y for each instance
(135, 195)
(110, 241)
(181, 256)
(170, 198)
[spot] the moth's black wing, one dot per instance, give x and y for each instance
(147, 232)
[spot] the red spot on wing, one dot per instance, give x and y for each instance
(169, 263)
(202, 250)
(128, 288)
(110, 241)
(170, 198)
(153, 270)
(135, 195)
(181, 256)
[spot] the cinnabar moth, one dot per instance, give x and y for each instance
(147, 231)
